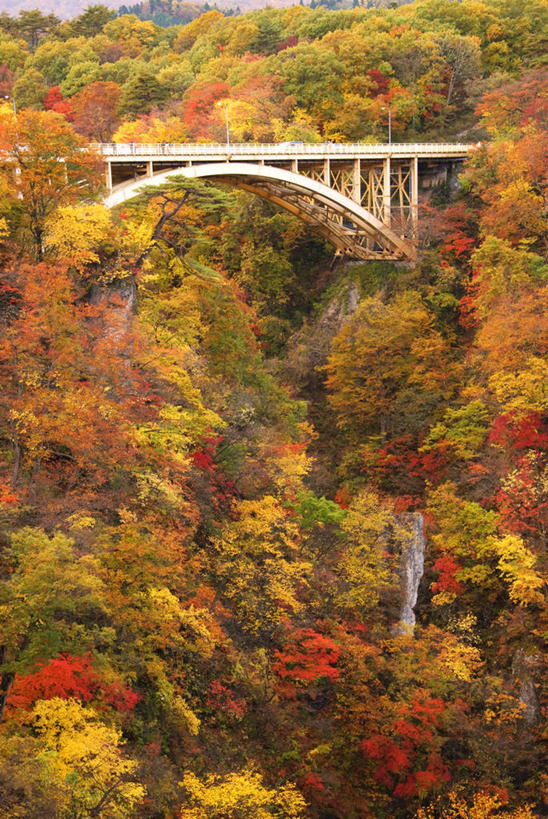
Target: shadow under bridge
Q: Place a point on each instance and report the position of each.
(345, 223)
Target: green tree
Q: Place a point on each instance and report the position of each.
(80, 76)
(91, 21)
(33, 25)
(267, 36)
(312, 75)
(141, 92)
(52, 57)
(29, 89)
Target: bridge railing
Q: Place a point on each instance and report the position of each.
(299, 149)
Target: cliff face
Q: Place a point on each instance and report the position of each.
(523, 667)
(309, 348)
(120, 298)
(411, 571)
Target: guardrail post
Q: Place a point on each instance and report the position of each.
(356, 182)
(387, 192)
(414, 194)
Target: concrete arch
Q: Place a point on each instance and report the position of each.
(349, 226)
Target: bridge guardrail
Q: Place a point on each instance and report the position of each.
(325, 149)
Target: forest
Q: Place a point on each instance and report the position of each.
(221, 447)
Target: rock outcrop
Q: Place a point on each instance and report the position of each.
(411, 571)
(310, 347)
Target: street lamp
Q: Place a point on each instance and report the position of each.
(220, 105)
(389, 123)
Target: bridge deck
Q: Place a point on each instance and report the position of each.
(121, 152)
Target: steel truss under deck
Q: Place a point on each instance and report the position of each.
(362, 198)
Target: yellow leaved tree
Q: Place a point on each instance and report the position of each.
(364, 565)
(524, 390)
(83, 760)
(239, 796)
(259, 564)
(517, 566)
(82, 234)
(484, 806)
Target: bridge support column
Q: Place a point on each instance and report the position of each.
(387, 192)
(150, 170)
(108, 172)
(414, 194)
(327, 173)
(356, 182)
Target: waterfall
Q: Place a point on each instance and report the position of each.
(411, 571)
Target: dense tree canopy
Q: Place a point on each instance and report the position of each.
(231, 466)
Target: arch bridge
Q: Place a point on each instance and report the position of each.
(363, 198)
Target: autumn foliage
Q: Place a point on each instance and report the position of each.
(68, 677)
(272, 526)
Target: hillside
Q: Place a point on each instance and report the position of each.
(272, 523)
